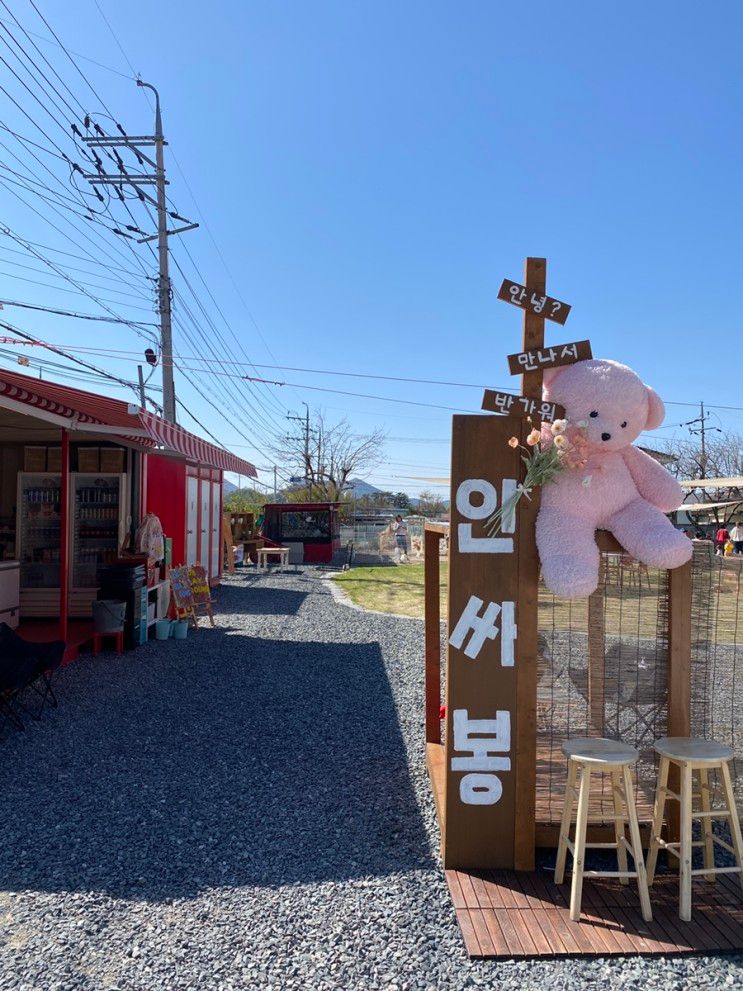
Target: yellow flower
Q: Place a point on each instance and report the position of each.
(534, 437)
(561, 442)
(513, 442)
(558, 427)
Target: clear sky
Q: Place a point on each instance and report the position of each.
(371, 171)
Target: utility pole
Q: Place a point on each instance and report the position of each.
(158, 179)
(702, 429)
(275, 486)
(307, 462)
(142, 402)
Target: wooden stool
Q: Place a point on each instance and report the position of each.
(595, 755)
(98, 639)
(701, 756)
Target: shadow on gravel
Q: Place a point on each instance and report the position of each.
(224, 761)
(260, 601)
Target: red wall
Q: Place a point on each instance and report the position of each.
(166, 498)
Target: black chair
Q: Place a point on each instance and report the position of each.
(25, 665)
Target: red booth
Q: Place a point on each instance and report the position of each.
(311, 530)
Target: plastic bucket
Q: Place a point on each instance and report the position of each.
(108, 615)
(180, 629)
(162, 629)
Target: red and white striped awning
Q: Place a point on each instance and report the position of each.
(76, 409)
(174, 438)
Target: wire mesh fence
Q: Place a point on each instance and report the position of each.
(603, 671)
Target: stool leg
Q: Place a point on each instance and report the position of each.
(636, 843)
(656, 828)
(579, 857)
(567, 815)
(685, 849)
(709, 847)
(616, 789)
(727, 785)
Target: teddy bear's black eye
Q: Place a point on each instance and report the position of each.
(624, 425)
(594, 414)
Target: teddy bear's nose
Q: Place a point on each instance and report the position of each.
(605, 436)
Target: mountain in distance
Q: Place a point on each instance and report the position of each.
(358, 488)
(228, 487)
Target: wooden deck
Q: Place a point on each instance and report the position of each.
(509, 914)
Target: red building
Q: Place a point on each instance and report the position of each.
(310, 529)
(78, 471)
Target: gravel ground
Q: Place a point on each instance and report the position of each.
(249, 809)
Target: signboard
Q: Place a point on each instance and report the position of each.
(505, 402)
(541, 358)
(180, 585)
(534, 301)
(482, 659)
(199, 585)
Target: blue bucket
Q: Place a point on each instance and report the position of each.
(180, 629)
(162, 629)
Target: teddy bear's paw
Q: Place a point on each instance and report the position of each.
(570, 577)
(664, 549)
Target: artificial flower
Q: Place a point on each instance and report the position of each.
(561, 441)
(534, 437)
(558, 427)
(513, 442)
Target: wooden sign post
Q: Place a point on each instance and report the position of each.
(490, 755)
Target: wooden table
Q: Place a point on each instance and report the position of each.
(263, 552)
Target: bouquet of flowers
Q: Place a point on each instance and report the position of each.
(566, 448)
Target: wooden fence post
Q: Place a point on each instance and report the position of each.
(679, 674)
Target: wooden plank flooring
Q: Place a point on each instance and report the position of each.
(509, 914)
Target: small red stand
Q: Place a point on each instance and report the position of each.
(99, 637)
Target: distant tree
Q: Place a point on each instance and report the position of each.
(722, 457)
(245, 500)
(401, 500)
(335, 454)
(430, 505)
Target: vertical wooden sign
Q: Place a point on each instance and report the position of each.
(482, 648)
(490, 749)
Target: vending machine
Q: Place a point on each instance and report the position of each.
(37, 542)
(99, 520)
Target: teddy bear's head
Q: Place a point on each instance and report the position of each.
(608, 399)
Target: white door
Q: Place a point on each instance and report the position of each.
(204, 523)
(192, 519)
(216, 561)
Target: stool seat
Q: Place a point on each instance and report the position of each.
(592, 757)
(693, 749)
(693, 756)
(598, 750)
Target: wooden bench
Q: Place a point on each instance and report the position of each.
(263, 552)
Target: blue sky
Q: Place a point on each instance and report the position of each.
(371, 171)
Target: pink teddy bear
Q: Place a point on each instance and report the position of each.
(619, 488)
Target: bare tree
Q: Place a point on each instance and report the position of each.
(330, 455)
(430, 504)
(721, 457)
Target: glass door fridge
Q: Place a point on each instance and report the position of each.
(98, 524)
(38, 545)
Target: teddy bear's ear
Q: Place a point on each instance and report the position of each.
(656, 409)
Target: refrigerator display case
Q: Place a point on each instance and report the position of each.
(98, 530)
(37, 541)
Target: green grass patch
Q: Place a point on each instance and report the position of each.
(397, 589)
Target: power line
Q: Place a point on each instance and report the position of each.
(70, 313)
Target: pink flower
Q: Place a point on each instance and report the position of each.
(513, 442)
(534, 437)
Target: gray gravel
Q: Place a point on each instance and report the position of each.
(249, 809)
